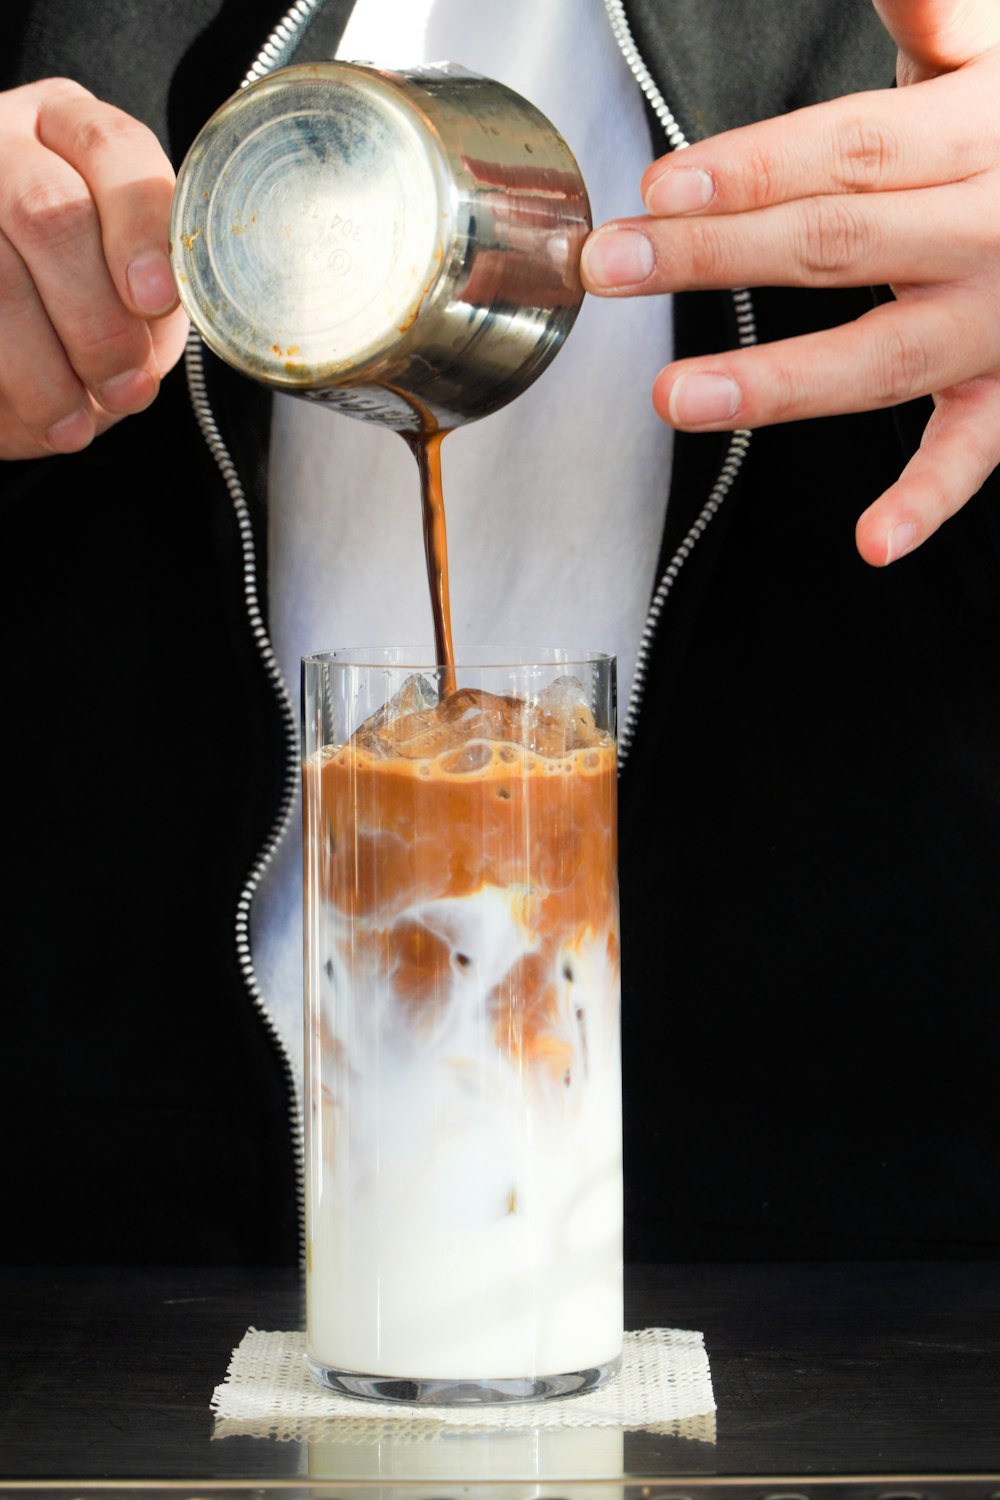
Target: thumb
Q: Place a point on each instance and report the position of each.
(936, 36)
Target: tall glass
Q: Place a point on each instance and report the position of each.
(463, 1108)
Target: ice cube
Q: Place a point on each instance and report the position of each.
(415, 725)
(474, 714)
(416, 736)
(562, 719)
(416, 696)
(473, 756)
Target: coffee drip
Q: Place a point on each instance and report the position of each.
(426, 449)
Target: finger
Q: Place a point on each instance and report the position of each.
(49, 216)
(169, 337)
(938, 34)
(959, 451)
(131, 181)
(16, 441)
(929, 342)
(37, 383)
(25, 428)
(872, 142)
(924, 236)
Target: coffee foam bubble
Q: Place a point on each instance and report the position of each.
(478, 760)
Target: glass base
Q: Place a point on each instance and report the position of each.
(438, 1392)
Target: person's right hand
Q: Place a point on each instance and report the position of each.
(89, 321)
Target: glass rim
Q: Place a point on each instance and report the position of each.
(421, 658)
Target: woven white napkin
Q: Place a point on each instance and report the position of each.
(664, 1386)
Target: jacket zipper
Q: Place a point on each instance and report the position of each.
(283, 40)
(276, 51)
(739, 442)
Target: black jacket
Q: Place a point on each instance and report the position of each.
(810, 809)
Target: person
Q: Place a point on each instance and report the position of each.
(809, 805)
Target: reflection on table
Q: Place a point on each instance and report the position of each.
(890, 1371)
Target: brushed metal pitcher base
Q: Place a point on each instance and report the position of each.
(403, 246)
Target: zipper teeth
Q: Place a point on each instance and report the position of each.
(194, 361)
(739, 442)
(282, 42)
(643, 77)
(735, 454)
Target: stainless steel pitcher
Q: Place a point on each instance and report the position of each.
(402, 245)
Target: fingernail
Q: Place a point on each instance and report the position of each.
(696, 399)
(617, 257)
(128, 392)
(71, 433)
(151, 283)
(681, 190)
(901, 539)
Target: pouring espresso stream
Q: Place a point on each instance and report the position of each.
(427, 452)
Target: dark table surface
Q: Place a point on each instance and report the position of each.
(870, 1380)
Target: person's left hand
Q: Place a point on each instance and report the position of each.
(898, 187)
